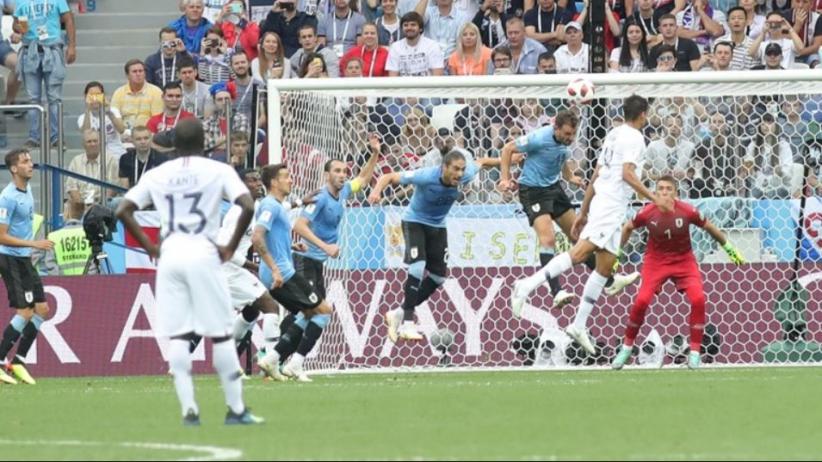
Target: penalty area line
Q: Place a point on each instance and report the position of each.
(206, 453)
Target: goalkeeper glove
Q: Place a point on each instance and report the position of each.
(733, 254)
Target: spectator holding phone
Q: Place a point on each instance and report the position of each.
(270, 62)
(214, 64)
(240, 33)
(161, 67)
(777, 30)
(89, 120)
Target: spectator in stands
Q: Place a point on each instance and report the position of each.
(572, 58)
(90, 120)
(501, 59)
(239, 150)
(172, 110)
(137, 100)
(244, 82)
(270, 62)
(417, 133)
(545, 23)
(314, 67)
(216, 126)
(671, 154)
(192, 27)
(372, 55)
(716, 161)
(353, 68)
(470, 57)
(43, 58)
(754, 22)
(613, 29)
(442, 22)
(490, 20)
(648, 19)
(773, 58)
(547, 64)
(88, 164)
(700, 22)
(687, 52)
(772, 160)
(531, 116)
(287, 23)
(808, 25)
(632, 56)
(444, 143)
(388, 25)
(793, 128)
(738, 25)
(310, 44)
(341, 31)
(214, 63)
(211, 8)
(720, 59)
(240, 34)
(524, 51)
(8, 57)
(414, 55)
(777, 31)
(196, 98)
(161, 67)
(666, 58)
(139, 159)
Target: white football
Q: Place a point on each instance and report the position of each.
(581, 90)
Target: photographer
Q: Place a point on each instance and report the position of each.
(71, 249)
(214, 64)
(162, 66)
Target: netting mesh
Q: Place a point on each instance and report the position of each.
(740, 151)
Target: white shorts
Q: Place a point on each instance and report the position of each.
(192, 292)
(243, 286)
(604, 228)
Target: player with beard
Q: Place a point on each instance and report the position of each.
(542, 197)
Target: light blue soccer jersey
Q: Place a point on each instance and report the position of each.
(324, 217)
(17, 211)
(44, 20)
(543, 165)
(432, 200)
(273, 217)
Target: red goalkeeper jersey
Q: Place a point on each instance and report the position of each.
(669, 232)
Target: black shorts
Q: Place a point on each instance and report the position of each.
(297, 295)
(550, 200)
(22, 281)
(428, 244)
(312, 271)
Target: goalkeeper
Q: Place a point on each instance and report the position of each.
(669, 256)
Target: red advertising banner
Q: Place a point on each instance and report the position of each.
(102, 325)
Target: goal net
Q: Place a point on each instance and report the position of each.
(744, 146)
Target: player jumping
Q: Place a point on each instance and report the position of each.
(192, 293)
(272, 240)
(542, 196)
(607, 199)
(669, 256)
(423, 226)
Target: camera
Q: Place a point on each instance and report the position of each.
(98, 222)
(169, 44)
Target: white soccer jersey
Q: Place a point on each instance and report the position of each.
(227, 230)
(623, 145)
(187, 193)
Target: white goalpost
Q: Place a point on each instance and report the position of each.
(745, 146)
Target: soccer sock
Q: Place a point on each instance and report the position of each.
(290, 340)
(558, 265)
(591, 263)
(546, 254)
(228, 368)
(11, 334)
(312, 334)
(590, 295)
(244, 322)
(635, 319)
(27, 340)
(429, 286)
(194, 342)
(697, 321)
(271, 329)
(412, 293)
(179, 360)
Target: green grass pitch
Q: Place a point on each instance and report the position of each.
(676, 414)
